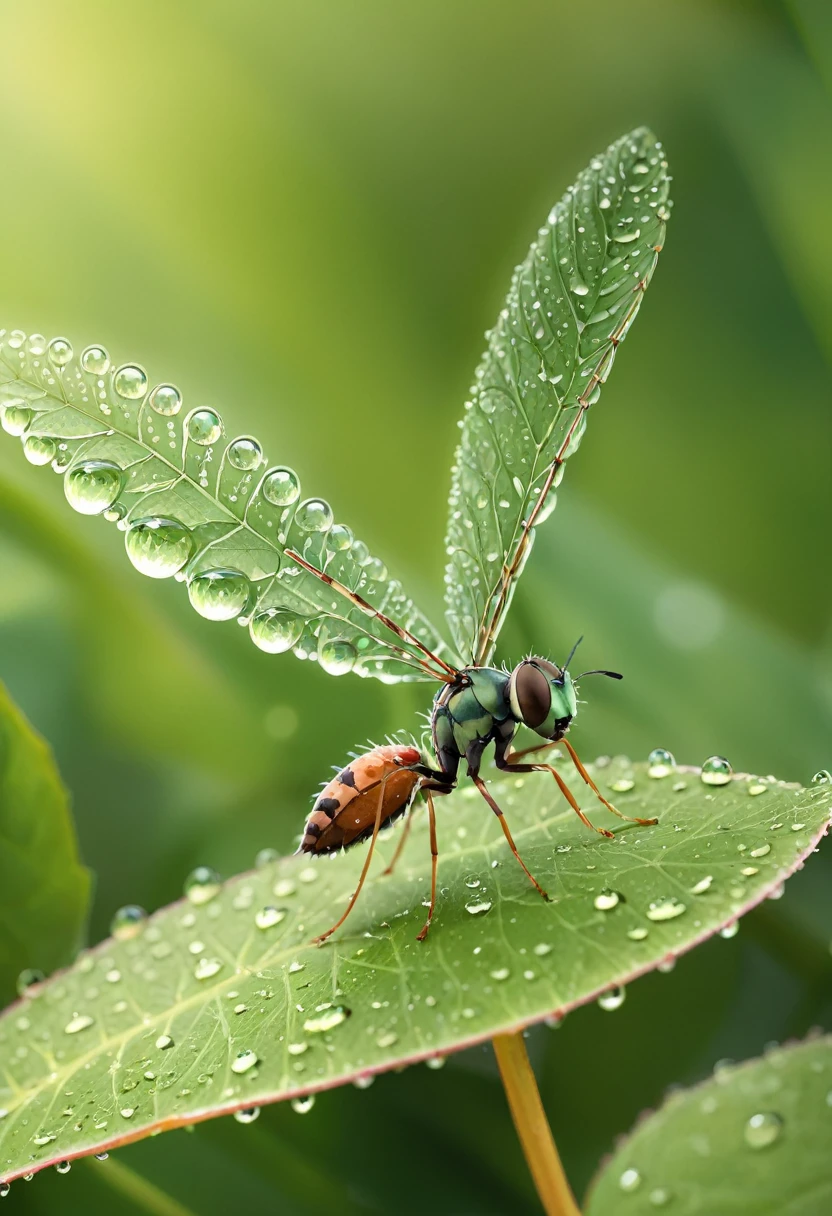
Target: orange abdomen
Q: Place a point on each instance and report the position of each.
(345, 810)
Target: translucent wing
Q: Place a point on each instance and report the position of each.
(209, 512)
(571, 302)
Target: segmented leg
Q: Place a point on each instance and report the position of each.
(562, 786)
(483, 789)
(376, 825)
(408, 823)
(434, 861)
(647, 823)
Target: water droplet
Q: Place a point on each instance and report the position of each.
(579, 288)
(476, 909)
(730, 930)
(93, 487)
(60, 352)
(606, 900)
(630, 1180)
(158, 547)
(302, 1106)
(660, 763)
(5, 1187)
(337, 657)
(623, 785)
(314, 515)
(202, 884)
(716, 771)
(275, 630)
(128, 922)
(756, 788)
(243, 1061)
(387, 1039)
(297, 1049)
(245, 454)
(364, 1081)
(281, 487)
(326, 1019)
(27, 979)
(339, 538)
(703, 885)
(166, 400)
(284, 887)
(268, 917)
(164, 1041)
(763, 1129)
(613, 998)
(63, 1167)
(247, 1115)
(660, 1196)
(78, 1022)
(639, 934)
(666, 908)
(15, 418)
(502, 973)
(39, 449)
(203, 427)
(95, 360)
(207, 968)
(761, 852)
(101, 1156)
(127, 1112)
(542, 949)
(130, 382)
(219, 595)
(822, 777)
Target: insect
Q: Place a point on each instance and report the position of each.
(217, 516)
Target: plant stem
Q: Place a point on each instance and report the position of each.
(531, 1125)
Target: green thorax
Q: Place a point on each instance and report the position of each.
(469, 711)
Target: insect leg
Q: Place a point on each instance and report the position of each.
(376, 825)
(448, 673)
(408, 823)
(483, 789)
(434, 861)
(579, 766)
(505, 764)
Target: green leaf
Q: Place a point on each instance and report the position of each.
(754, 1139)
(571, 303)
(44, 890)
(202, 509)
(216, 1006)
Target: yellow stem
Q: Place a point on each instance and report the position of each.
(532, 1127)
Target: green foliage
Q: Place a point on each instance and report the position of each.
(223, 1003)
(571, 303)
(44, 890)
(199, 508)
(754, 1139)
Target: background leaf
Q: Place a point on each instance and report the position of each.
(224, 1004)
(570, 305)
(753, 1139)
(204, 510)
(44, 890)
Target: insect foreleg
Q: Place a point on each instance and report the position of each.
(507, 766)
(579, 766)
(434, 861)
(483, 789)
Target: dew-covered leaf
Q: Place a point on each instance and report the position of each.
(753, 1140)
(201, 508)
(571, 303)
(222, 1003)
(44, 890)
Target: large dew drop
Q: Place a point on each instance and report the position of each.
(326, 1019)
(281, 487)
(95, 360)
(219, 595)
(93, 487)
(337, 657)
(763, 1129)
(243, 1061)
(59, 352)
(314, 515)
(247, 1115)
(39, 449)
(130, 382)
(203, 427)
(202, 884)
(15, 418)
(660, 763)
(166, 400)
(158, 547)
(716, 771)
(666, 908)
(275, 630)
(613, 998)
(245, 454)
(128, 922)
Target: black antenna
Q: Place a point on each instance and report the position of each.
(572, 653)
(613, 675)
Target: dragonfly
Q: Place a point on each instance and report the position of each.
(216, 515)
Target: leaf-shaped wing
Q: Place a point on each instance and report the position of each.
(210, 512)
(571, 303)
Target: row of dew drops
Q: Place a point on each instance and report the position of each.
(204, 883)
(162, 547)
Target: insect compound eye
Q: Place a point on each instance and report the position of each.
(530, 694)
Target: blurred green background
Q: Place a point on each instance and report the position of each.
(307, 215)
